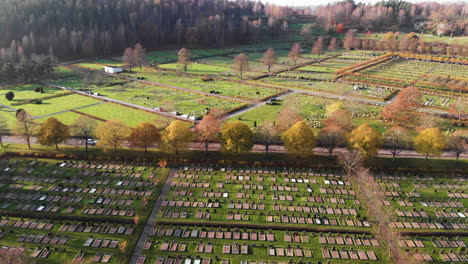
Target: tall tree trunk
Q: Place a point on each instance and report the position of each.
(86, 145)
(206, 147)
(1, 141)
(29, 143)
(56, 146)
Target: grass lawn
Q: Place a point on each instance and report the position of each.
(131, 117)
(197, 68)
(227, 88)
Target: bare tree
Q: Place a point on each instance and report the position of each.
(129, 58)
(269, 58)
(396, 139)
(457, 143)
(265, 134)
(295, 53)
(241, 64)
(184, 58)
(25, 126)
(139, 54)
(84, 128)
(318, 46)
(332, 137)
(3, 128)
(333, 45)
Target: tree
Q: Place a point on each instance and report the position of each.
(10, 95)
(208, 130)
(53, 132)
(340, 118)
(332, 137)
(269, 58)
(236, 137)
(3, 128)
(365, 139)
(84, 127)
(400, 108)
(330, 109)
(241, 64)
(333, 45)
(299, 138)
(396, 139)
(25, 126)
(457, 143)
(112, 133)
(129, 58)
(459, 109)
(348, 40)
(265, 134)
(139, 54)
(430, 142)
(145, 135)
(318, 46)
(176, 136)
(295, 53)
(184, 58)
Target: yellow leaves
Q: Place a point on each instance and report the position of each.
(299, 138)
(144, 135)
(52, 132)
(430, 142)
(112, 133)
(236, 137)
(332, 108)
(177, 135)
(365, 139)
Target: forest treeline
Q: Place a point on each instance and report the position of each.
(76, 28)
(67, 29)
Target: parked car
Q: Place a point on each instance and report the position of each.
(91, 141)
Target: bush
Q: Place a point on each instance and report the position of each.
(38, 102)
(37, 89)
(9, 96)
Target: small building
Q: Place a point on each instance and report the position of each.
(113, 69)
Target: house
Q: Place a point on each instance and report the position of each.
(113, 69)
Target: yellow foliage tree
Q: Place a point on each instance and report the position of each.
(176, 136)
(113, 133)
(236, 137)
(365, 139)
(332, 108)
(145, 135)
(430, 142)
(299, 138)
(53, 132)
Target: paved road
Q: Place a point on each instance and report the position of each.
(144, 235)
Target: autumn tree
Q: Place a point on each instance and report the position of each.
(184, 58)
(288, 116)
(129, 58)
(265, 134)
(299, 138)
(112, 133)
(176, 136)
(25, 126)
(396, 139)
(3, 128)
(269, 58)
(457, 143)
(430, 142)
(348, 40)
(318, 46)
(241, 64)
(330, 109)
(333, 45)
(139, 54)
(295, 53)
(208, 130)
(144, 136)
(400, 109)
(365, 139)
(340, 118)
(84, 128)
(236, 137)
(331, 137)
(459, 109)
(53, 132)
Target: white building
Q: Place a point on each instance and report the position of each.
(113, 69)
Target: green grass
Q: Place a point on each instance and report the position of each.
(131, 117)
